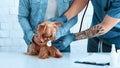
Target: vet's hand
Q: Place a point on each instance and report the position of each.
(36, 40)
(62, 31)
(62, 19)
(64, 41)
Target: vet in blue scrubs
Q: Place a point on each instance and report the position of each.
(101, 9)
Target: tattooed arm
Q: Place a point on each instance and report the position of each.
(99, 29)
(91, 32)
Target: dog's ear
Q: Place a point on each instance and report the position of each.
(58, 24)
(41, 27)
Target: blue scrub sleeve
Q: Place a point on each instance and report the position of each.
(115, 9)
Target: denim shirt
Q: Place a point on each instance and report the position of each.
(32, 13)
(112, 8)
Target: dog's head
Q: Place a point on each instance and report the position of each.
(47, 30)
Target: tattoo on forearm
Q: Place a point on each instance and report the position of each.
(91, 32)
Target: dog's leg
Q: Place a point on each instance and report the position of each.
(43, 53)
(54, 52)
(32, 50)
(58, 54)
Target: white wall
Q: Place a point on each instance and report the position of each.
(11, 35)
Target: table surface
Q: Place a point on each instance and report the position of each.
(19, 60)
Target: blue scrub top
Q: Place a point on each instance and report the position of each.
(103, 7)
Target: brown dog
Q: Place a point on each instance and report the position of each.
(45, 32)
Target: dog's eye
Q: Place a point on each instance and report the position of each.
(50, 35)
(45, 36)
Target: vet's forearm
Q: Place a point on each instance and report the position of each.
(97, 30)
(91, 32)
(75, 8)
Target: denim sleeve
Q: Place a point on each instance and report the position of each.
(65, 28)
(115, 9)
(23, 17)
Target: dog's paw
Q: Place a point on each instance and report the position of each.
(54, 52)
(58, 54)
(32, 53)
(43, 54)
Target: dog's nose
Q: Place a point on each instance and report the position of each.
(41, 40)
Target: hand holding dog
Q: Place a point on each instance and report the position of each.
(63, 29)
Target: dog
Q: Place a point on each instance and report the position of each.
(45, 32)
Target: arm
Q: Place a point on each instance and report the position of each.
(107, 24)
(23, 16)
(76, 7)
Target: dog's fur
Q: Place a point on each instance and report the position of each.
(45, 32)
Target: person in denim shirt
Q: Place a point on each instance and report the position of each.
(105, 25)
(33, 12)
